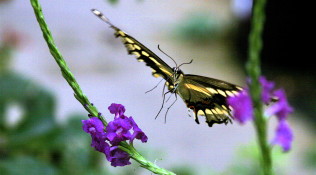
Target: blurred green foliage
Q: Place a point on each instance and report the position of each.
(246, 161)
(113, 2)
(198, 27)
(36, 143)
(183, 170)
(5, 52)
(310, 158)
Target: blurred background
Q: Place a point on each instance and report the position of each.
(40, 120)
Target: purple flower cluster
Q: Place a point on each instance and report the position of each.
(106, 140)
(243, 110)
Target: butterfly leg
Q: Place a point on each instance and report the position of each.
(168, 98)
(170, 107)
(154, 87)
(163, 101)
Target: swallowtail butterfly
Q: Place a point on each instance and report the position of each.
(205, 96)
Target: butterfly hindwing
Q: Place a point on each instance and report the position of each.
(207, 97)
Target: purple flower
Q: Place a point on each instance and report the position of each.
(100, 144)
(116, 109)
(281, 108)
(93, 126)
(138, 133)
(118, 130)
(284, 135)
(118, 157)
(242, 106)
(267, 87)
(243, 110)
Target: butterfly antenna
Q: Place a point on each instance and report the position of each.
(154, 87)
(186, 63)
(168, 56)
(170, 107)
(101, 16)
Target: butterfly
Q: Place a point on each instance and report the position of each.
(203, 95)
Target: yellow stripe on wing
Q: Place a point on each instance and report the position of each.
(197, 88)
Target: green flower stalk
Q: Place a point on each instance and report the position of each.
(254, 72)
(69, 77)
(79, 95)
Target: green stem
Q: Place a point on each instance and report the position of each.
(254, 72)
(142, 161)
(69, 77)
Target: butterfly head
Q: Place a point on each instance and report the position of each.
(177, 72)
(177, 77)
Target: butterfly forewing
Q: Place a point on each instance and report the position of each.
(142, 53)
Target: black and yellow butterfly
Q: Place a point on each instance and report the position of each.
(205, 96)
